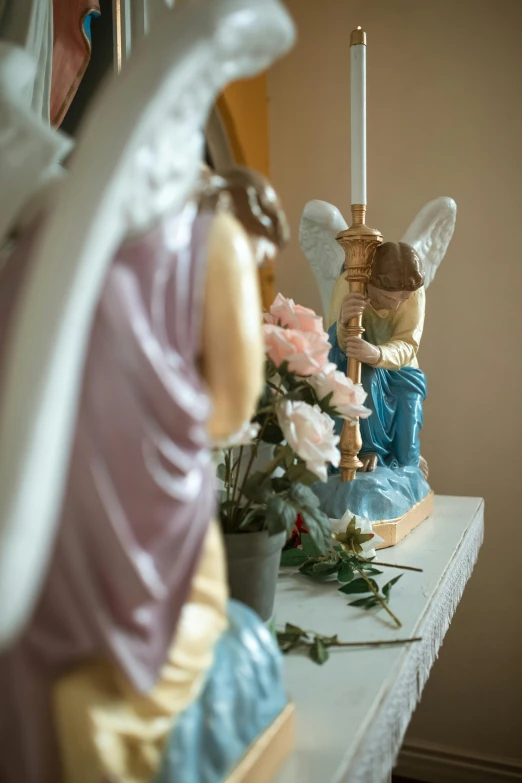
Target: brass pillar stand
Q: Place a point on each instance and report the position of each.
(359, 244)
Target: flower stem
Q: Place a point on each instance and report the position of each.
(380, 598)
(391, 565)
(253, 455)
(377, 644)
(227, 473)
(269, 416)
(268, 470)
(237, 468)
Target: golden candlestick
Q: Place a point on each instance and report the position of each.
(359, 244)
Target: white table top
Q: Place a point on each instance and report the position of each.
(352, 712)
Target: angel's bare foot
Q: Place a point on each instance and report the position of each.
(369, 463)
(423, 465)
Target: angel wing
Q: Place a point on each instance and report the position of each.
(320, 224)
(430, 234)
(138, 155)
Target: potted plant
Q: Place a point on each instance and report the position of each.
(268, 469)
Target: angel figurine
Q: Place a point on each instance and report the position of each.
(129, 338)
(392, 312)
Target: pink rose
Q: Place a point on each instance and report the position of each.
(347, 396)
(305, 352)
(284, 312)
(310, 433)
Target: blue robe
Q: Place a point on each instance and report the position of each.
(395, 398)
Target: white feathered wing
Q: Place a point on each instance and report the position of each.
(138, 155)
(320, 224)
(430, 234)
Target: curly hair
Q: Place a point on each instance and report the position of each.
(253, 201)
(396, 267)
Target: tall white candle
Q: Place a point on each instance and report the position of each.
(358, 114)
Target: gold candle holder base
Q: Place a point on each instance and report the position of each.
(359, 243)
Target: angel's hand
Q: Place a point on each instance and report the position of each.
(359, 349)
(369, 463)
(352, 306)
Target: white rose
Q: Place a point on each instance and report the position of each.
(310, 433)
(347, 396)
(364, 526)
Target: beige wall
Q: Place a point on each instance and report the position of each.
(444, 118)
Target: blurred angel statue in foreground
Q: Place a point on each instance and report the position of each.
(130, 337)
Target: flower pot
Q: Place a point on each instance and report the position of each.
(253, 564)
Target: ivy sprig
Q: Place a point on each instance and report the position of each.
(317, 645)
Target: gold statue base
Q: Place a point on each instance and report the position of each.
(264, 758)
(394, 530)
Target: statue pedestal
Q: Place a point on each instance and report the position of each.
(395, 500)
(394, 530)
(264, 758)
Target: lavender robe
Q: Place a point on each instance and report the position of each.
(139, 491)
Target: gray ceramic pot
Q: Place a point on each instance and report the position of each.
(253, 564)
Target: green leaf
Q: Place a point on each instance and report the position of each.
(309, 546)
(318, 652)
(318, 526)
(327, 407)
(346, 573)
(369, 571)
(270, 370)
(257, 487)
(328, 640)
(226, 505)
(308, 570)
(357, 586)
(221, 471)
(256, 511)
(287, 641)
(325, 568)
(388, 586)
(293, 557)
(300, 473)
(303, 496)
(303, 392)
(365, 603)
(285, 453)
(280, 484)
(290, 628)
(280, 515)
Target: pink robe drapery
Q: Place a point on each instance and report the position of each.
(139, 493)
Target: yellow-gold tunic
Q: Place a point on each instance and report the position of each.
(107, 731)
(396, 332)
